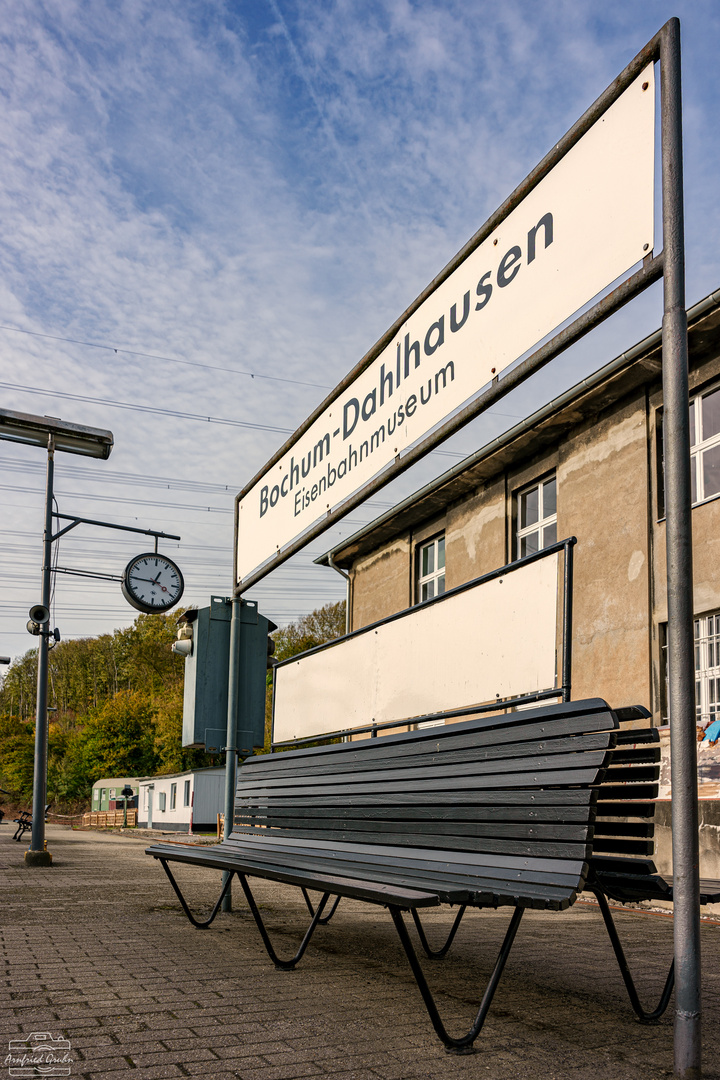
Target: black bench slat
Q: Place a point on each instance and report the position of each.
(575, 797)
(452, 886)
(410, 858)
(373, 891)
(636, 735)
(444, 829)
(466, 770)
(540, 848)
(485, 891)
(623, 792)
(623, 845)
(624, 828)
(634, 755)
(279, 811)
(617, 866)
(548, 778)
(608, 809)
(477, 748)
(597, 714)
(632, 774)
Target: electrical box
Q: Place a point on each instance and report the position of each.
(204, 641)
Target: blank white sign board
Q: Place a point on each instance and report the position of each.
(497, 638)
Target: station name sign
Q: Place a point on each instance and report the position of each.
(583, 226)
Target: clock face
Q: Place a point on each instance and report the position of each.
(152, 583)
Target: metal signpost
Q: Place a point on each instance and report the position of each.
(581, 220)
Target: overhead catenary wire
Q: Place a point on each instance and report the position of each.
(111, 403)
(158, 356)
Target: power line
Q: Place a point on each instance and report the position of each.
(118, 499)
(113, 477)
(144, 408)
(157, 518)
(158, 356)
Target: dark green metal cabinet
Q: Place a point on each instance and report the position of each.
(207, 671)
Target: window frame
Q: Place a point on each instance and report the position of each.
(432, 576)
(186, 793)
(543, 522)
(706, 648)
(162, 801)
(697, 449)
(173, 796)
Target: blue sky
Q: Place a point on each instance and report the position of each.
(240, 198)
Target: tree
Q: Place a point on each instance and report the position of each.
(119, 738)
(118, 710)
(323, 624)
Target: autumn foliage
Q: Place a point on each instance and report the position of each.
(117, 706)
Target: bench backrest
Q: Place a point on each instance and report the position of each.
(519, 788)
(625, 823)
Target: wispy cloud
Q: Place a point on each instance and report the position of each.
(265, 187)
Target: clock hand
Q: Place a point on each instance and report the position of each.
(150, 581)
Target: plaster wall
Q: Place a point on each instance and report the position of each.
(381, 583)
(603, 500)
(475, 535)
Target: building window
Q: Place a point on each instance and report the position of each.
(705, 445)
(161, 801)
(704, 449)
(186, 794)
(431, 569)
(707, 669)
(96, 794)
(536, 511)
(173, 796)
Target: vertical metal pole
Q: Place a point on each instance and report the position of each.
(231, 736)
(567, 621)
(37, 843)
(683, 746)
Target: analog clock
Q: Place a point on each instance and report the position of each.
(152, 583)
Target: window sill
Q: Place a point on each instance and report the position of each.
(713, 498)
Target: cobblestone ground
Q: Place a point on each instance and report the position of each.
(97, 950)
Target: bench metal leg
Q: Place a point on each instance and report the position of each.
(643, 1016)
(463, 1045)
(437, 954)
(186, 909)
(311, 909)
(282, 965)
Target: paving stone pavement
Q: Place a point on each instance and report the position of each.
(96, 950)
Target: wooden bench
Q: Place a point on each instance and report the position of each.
(497, 811)
(621, 864)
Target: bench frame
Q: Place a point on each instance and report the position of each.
(495, 739)
(626, 788)
(24, 822)
(462, 1045)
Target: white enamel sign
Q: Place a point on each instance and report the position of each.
(582, 227)
(497, 638)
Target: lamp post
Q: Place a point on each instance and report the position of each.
(52, 434)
